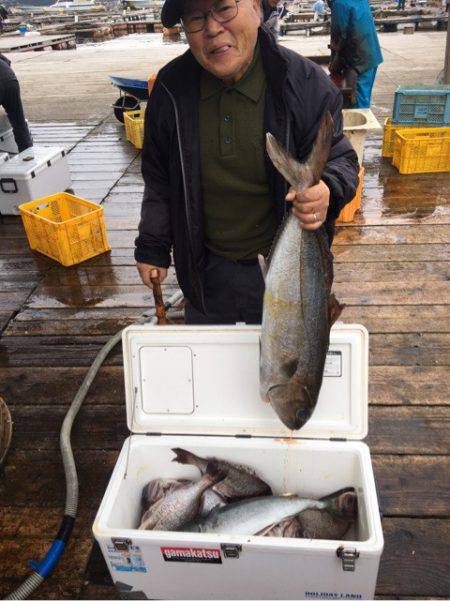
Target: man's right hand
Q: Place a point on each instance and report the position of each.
(145, 271)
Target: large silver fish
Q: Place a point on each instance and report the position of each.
(251, 516)
(181, 504)
(240, 482)
(331, 523)
(299, 308)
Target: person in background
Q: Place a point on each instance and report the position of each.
(3, 16)
(401, 5)
(355, 50)
(12, 103)
(282, 14)
(270, 16)
(319, 10)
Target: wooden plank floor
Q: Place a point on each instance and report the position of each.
(392, 271)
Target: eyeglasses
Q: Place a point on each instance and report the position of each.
(221, 11)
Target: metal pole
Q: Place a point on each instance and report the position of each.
(447, 50)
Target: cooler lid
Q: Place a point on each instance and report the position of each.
(205, 380)
(30, 162)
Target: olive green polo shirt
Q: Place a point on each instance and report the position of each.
(240, 220)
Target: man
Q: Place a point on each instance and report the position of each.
(270, 15)
(283, 12)
(319, 10)
(355, 50)
(12, 103)
(3, 16)
(211, 192)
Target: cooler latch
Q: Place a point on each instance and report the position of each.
(231, 551)
(348, 557)
(122, 544)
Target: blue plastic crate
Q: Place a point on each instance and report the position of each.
(422, 105)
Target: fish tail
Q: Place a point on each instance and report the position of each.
(307, 174)
(186, 457)
(321, 149)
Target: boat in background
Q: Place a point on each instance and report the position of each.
(74, 5)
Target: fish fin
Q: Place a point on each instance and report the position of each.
(327, 258)
(266, 530)
(288, 368)
(336, 494)
(185, 457)
(263, 266)
(335, 309)
(307, 174)
(342, 503)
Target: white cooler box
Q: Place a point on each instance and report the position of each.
(34, 173)
(7, 140)
(198, 388)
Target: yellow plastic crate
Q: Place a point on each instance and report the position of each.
(64, 227)
(389, 131)
(134, 127)
(348, 212)
(426, 150)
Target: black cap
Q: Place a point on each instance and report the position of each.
(171, 12)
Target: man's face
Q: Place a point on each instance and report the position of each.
(225, 49)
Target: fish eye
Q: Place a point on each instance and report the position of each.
(302, 414)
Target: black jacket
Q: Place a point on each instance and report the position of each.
(298, 94)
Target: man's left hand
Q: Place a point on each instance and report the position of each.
(310, 206)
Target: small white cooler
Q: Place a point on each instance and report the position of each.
(198, 388)
(7, 140)
(34, 173)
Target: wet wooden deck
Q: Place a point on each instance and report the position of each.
(392, 271)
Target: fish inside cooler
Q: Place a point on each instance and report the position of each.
(310, 469)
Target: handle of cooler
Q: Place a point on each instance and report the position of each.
(5, 181)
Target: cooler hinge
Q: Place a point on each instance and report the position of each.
(348, 558)
(153, 434)
(231, 551)
(242, 435)
(337, 439)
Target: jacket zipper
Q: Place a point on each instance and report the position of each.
(185, 192)
(183, 170)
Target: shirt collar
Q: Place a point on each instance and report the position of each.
(250, 85)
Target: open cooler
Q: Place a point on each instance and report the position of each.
(198, 388)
